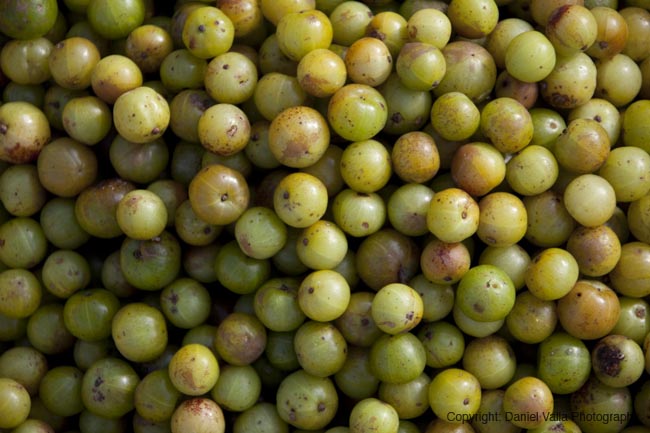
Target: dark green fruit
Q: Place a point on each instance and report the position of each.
(306, 401)
(88, 314)
(114, 20)
(25, 365)
(62, 379)
(151, 264)
(108, 387)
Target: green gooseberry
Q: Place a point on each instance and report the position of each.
(454, 391)
(65, 272)
(485, 293)
(185, 303)
(320, 348)
(324, 295)
(88, 314)
(108, 387)
(491, 360)
(279, 350)
(17, 403)
(238, 388)
(141, 115)
(373, 414)
(20, 292)
(322, 245)
(114, 20)
(563, 363)
(397, 358)
(443, 342)
(155, 396)
(237, 271)
(409, 399)
(397, 308)
(356, 323)
(357, 112)
(609, 408)
(207, 32)
(531, 319)
(193, 369)
(259, 419)
(46, 330)
(260, 232)
(300, 199)
(25, 365)
(151, 264)
(191, 229)
(23, 243)
(62, 380)
(355, 379)
(306, 401)
(276, 304)
(139, 332)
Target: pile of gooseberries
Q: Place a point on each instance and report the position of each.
(330, 216)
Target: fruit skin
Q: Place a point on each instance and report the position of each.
(141, 115)
(199, 414)
(454, 391)
(16, 403)
(24, 131)
(193, 369)
(27, 19)
(306, 401)
(529, 401)
(115, 19)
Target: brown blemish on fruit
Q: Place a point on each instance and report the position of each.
(639, 312)
(610, 359)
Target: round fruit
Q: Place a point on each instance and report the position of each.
(16, 403)
(139, 332)
(306, 401)
(24, 131)
(454, 391)
(193, 369)
(198, 414)
(28, 20)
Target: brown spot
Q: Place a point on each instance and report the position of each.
(610, 359)
(639, 312)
